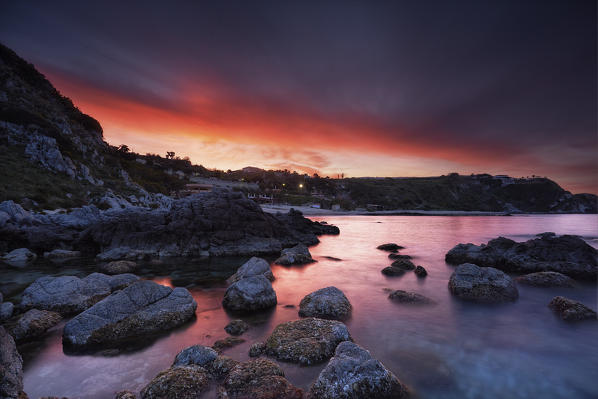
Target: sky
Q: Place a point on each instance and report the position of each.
(372, 88)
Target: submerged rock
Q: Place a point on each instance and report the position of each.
(354, 374)
(236, 327)
(482, 284)
(420, 271)
(118, 267)
(253, 267)
(404, 264)
(11, 367)
(389, 247)
(226, 343)
(546, 279)
(306, 341)
(401, 296)
(181, 382)
(297, 255)
(70, 294)
(251, 293)
(571, 310)
(569, 255)
(19, 257)
(34, 323)
(326, 303)
(140, 309)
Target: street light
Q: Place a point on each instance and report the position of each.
(301, 185)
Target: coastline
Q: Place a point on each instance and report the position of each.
(309, 211)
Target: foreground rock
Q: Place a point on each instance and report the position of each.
(248, 294)
(19, 257)
(11, 367)
(142, 308)
(297, 255)
(70, 294)
(307, 341)
(258, 379)
(354, 374)
(389, 247)
(33, 324)
(569, 255)
(546, 279)
(406, 297)
(236, 327)
(253, 267)
(181, 382)
(571, 310)
(482, 284)
(118, 267)
(326, 303)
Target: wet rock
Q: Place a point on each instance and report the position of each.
(297, 255)
(70, 294)
(181, 382)
(569, 255)
(326, 303)
(257, 349)
(390, 247)
(61, 255)
(236, 327)
(118, 267)
(222, 366)
(258, 379)
(19, 257)
(306, 341)
(354, 374)
(11, 367)
(251, 293)
(482, 284)
(125, 395)
(401, 296)
(404, 264)
(197, 355)
(420, 271)
(546, 279)
(34, 323)
(6, 309)
(333, 258)
(226, 343)
(253, 267)
(140, 309)
(395, 256)
(392, 271)
(571, 310)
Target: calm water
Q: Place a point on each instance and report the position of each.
(450, 350)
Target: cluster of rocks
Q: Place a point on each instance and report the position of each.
(250, 287)
(401, 263)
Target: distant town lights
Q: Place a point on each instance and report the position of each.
(300, 185)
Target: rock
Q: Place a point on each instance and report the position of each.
(354, 374)
(61, 255)
(306, 341)
(226, 343)
(420, 271)
(6, 309)
(258, 379)
(125, 395)
(19, 257)
(118, 267)
(297, 255)
(571, 310)
(197, 355)
(401, 296)
(390, 247)
(332, 258)
(33, 324)
(482, 284)
(257, 349)
(546, 279)
(253, 267)
(11, 367)
(404, 264)
(70, 294)
(569, 255)
(392, 271)
(395, 256)
(236, 327)
(140, 309)
(251, 293)
(326, 303)
(181, 382)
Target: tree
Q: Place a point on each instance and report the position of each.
(169, 154)
(123, 148)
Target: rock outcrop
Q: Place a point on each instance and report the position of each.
(326, 303)
(482, 284)
(11, 367)
(570, 310)
(253, 267)
(297, 255)
(546, 279)
(569, 255)
(249, 294)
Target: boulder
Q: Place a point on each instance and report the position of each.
(197, 355)
(258, 379)
(180, 382)
(390, 247)
(19, 257)
(404, 264)
(140, 309)
(306, 341)
(70, 294)
(392, 271)
(6, 309)
(569, 255)
(236, 327)
(326, 303)
(226, 343)
(420, 271)
(406, 297)
(118, 267)
(571, 310)
(354, 374)
(248, 294)
(297, 255)
(546, 279)
(253, 267)
(61, 255)
(11, 367)
(33, 324)
(482, 284)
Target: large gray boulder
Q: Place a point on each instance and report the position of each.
(251, 293)
(354, 374)
(297, 255)
(326, 303)
(569, 255)
(306, 341)
(11, 367)
(482, 284)
(571, 310)
(19, 257)
(70, 294)
(140, 309)
(546, 279)
(253, 267)
(33, 324)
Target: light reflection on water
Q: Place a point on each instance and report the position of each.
(450, 350)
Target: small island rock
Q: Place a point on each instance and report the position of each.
(248, 294)
(326, 303)
(482, 284)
